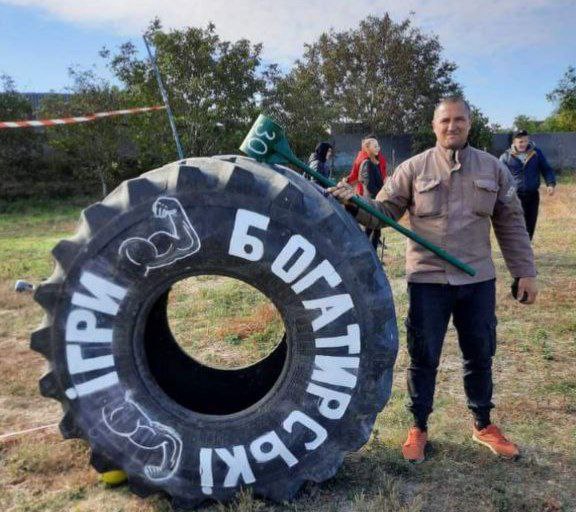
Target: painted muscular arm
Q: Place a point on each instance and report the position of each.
(180, 236)
(130, 422)
(179, 239)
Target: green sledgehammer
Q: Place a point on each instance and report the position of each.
(267, 142)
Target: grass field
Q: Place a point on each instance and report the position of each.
(535, 390)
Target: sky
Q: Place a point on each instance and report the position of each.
(510, 53)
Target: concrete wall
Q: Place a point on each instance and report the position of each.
(559, 148)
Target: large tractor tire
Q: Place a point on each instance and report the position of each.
(172, 423)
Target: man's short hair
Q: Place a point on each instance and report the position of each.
(519, 134)
(369, 136)
(453, 99)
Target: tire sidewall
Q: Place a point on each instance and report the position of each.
(212, 212)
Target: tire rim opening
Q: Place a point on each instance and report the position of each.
(223, 322)
(215, 344)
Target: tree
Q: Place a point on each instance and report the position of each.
(564, 95)
(531, 125)
(95, 148)
(20, 149)
(383, 74)
(213, 87)
(565, 92)
(481, 131)
(563, 119)
(297, 101)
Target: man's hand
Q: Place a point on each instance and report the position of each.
(527, 285)
(343, 192)
(550, 189)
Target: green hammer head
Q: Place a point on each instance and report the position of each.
(266, 142)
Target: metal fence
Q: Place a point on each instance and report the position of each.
(559, 148)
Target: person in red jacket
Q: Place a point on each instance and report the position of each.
(368, 174)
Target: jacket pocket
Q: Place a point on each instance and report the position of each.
(427, 197)
(485, 194)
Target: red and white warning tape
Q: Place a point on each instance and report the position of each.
(80, 119)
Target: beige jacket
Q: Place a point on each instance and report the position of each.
(452, 197)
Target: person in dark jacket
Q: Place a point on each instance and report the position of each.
(371, 178)
(526, 163)
(318, 160)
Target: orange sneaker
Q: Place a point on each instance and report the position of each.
(492, 437)
(413, 448)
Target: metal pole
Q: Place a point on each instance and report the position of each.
(165, 99)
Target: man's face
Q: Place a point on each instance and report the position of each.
(371, 147)
(521, 143)
(451, 125)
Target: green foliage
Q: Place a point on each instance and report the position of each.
(481, 132)
(563, 119)
(98, 151)
(531, 125)
(297, 101)
(565, 92)
(385, 75)
(213, 86)
(20, 149)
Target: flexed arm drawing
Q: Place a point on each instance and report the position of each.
(178, 240)
(129, 421)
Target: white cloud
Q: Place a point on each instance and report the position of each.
(466, 29)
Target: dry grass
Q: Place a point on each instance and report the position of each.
(223, 322)
(535, 395)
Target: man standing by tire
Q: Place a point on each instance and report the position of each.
(453, 192)
(526, 163)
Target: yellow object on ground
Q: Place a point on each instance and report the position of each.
(114, 477)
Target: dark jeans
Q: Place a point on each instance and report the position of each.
(530, 203)
(472, 308)
(374, 236)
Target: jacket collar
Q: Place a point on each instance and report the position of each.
(455, 157)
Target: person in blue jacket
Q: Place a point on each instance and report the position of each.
(526, 163)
